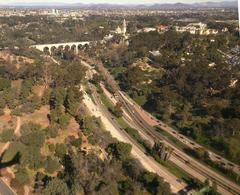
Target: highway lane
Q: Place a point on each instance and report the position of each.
(225, 186)
(190, 143)
(138, 152)
(185, 140)
(180, 161)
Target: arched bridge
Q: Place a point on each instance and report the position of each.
(71, 45)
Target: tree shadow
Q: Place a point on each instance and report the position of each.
(14, 161)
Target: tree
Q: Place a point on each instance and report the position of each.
(13, 152)
(133, 169)
(4, 84)
(27, 107)
(57, 98)
(16, 112)
(36, 102)
(155, 184)
(33, 139)
(29, 128)
(121, 151)
(64, 120)
(60, 150)
(25, 89)
(77, 142)
(117, 110)
(46, 97)
(51, 165)
(126, 187)
(54, 115)
(21, 176)
(32, 158)
(6, 135)
(96, 79)
(2, 102)
(56, 187)
(51, 132)
(72, 103)
(46, 73)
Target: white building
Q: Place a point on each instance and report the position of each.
(196, 28)
(55, 12)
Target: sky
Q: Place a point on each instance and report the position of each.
(107, 1)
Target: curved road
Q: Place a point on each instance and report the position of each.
(148, 162)
(181, 159)
(191, 166)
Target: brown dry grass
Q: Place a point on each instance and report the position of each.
(7, 121)
(39, 116)
(38, 90)
(19, 60)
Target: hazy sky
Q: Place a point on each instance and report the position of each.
(107, 1)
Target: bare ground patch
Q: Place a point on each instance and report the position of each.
(39, 116)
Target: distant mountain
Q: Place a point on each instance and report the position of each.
(222, 4)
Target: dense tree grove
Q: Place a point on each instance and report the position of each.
(71, 153)
(189, 83)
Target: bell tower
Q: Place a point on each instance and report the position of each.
(124, 28)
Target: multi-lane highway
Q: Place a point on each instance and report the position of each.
(189, 164)
(184, 161)
(98, 109)
(188, 142)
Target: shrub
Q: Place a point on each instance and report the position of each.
(64, 120)
(51, 147)
(28, 107)
(46, 97)
(13, 151)
(30, 127)
(51, 165)
(4, 84)
(60, 150)
(33, 139)
(51, 132)
(16, 112)
(22, 177)
(6, 135)
(56, 186)
(120, 150)
(36, 102)
(77, 142)
(2, 102)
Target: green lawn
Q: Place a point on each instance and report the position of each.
(122, 123)
(106, 102)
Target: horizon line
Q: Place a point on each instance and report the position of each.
(107, 3)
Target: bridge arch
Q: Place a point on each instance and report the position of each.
(53, 49)
(62, 46)
(46, 50)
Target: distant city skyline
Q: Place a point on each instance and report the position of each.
(107, 1)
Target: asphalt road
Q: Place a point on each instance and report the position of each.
(191, 166)
(139, 152)
(190, 143)
(181, 159)
(5, 189)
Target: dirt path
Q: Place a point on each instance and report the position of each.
(17, 129)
